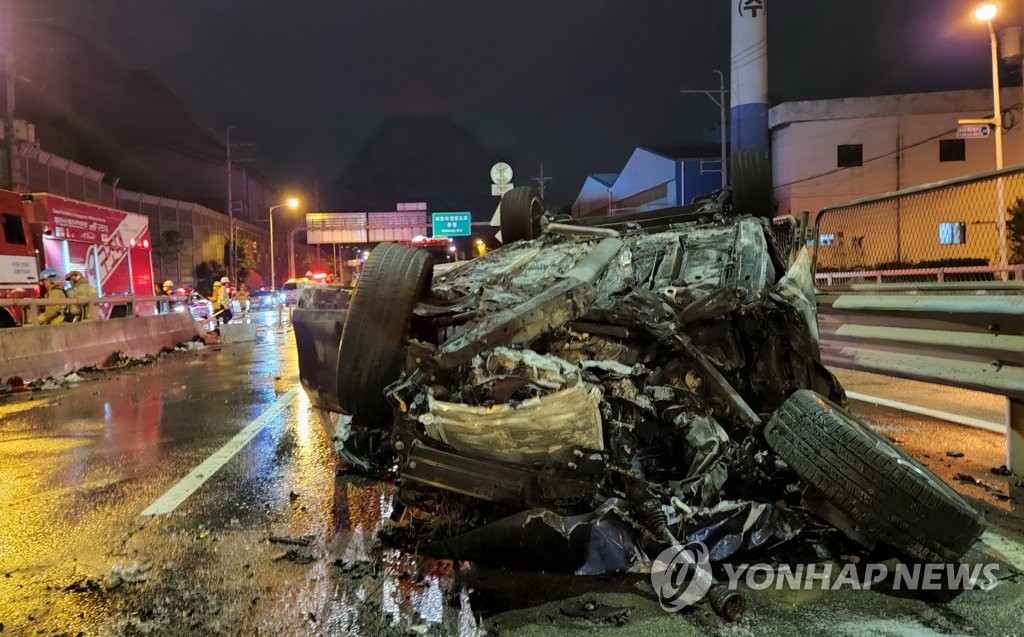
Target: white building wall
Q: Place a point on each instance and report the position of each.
(900, 136)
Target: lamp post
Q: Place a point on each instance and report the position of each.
(986, 12)
(293, 204)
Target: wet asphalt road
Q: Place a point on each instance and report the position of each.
(275, 543)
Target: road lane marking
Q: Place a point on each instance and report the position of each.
(191, 483)
(931, 413)
(1005, 548)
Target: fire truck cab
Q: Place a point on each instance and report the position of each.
(110, 247)
(19, 272)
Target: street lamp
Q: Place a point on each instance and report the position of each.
(293, 204)
(986, 12)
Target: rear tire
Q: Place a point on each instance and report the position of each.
(6, 319)
(373, 340)
(521, 210)
(886, 495)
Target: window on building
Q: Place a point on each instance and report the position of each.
(952, 233)
(952, 150)
(14, 231)
(826, 239)
(850, 155)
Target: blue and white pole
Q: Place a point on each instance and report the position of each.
(751, 161)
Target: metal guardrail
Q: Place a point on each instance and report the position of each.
(134, 305)
(830, 279)
(969, 341)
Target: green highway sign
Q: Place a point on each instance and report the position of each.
(452, 224)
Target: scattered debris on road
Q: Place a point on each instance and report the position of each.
(994, 490)
(304, 540)
(955, 454)
(596, 612)
(293, 556)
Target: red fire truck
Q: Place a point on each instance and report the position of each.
(111, 247)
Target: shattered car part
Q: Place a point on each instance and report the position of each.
(595, 611)
(581, 401)
(533, 427)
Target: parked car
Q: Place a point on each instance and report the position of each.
(290, 290)
(265, 299)
(200, 307)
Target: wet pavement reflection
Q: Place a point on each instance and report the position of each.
(276, 542)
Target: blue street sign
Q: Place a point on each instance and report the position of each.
(452, 224)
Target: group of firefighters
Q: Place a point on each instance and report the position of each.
(221, 298)
(78, 287)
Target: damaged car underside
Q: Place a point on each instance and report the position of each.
(583, 400)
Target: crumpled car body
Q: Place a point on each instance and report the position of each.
(581, 400)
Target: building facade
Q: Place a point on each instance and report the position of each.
(835, 151)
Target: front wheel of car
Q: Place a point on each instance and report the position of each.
(883, 495)
(394, 279)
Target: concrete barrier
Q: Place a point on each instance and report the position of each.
(237, 332)
(54, 350)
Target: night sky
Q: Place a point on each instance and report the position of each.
(575, 84)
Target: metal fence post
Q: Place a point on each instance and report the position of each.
(1015, 434)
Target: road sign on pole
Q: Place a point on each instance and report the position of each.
(452, 224)
(501, 173)
(500, 189)
(973, 131)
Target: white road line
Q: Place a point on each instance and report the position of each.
(1009, 550)
(191, 483)
(931, 413)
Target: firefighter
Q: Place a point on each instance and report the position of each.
(80, 288)
(53, 314)
(167, 289)
(224, 299)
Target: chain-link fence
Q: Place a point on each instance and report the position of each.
(966, 229)
(41, 171)
(186, 234)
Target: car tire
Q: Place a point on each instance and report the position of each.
(886, 495)
(521, 210)
(394, 279)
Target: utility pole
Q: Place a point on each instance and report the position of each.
(231, 209)
(11, 176)
(542, 181)
(720, 102)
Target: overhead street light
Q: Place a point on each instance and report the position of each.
(292, 203)
(986, 12)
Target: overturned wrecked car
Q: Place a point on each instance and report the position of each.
(584, 397)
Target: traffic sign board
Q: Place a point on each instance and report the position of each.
(973, 131)
(452, 224)
(498, 190)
